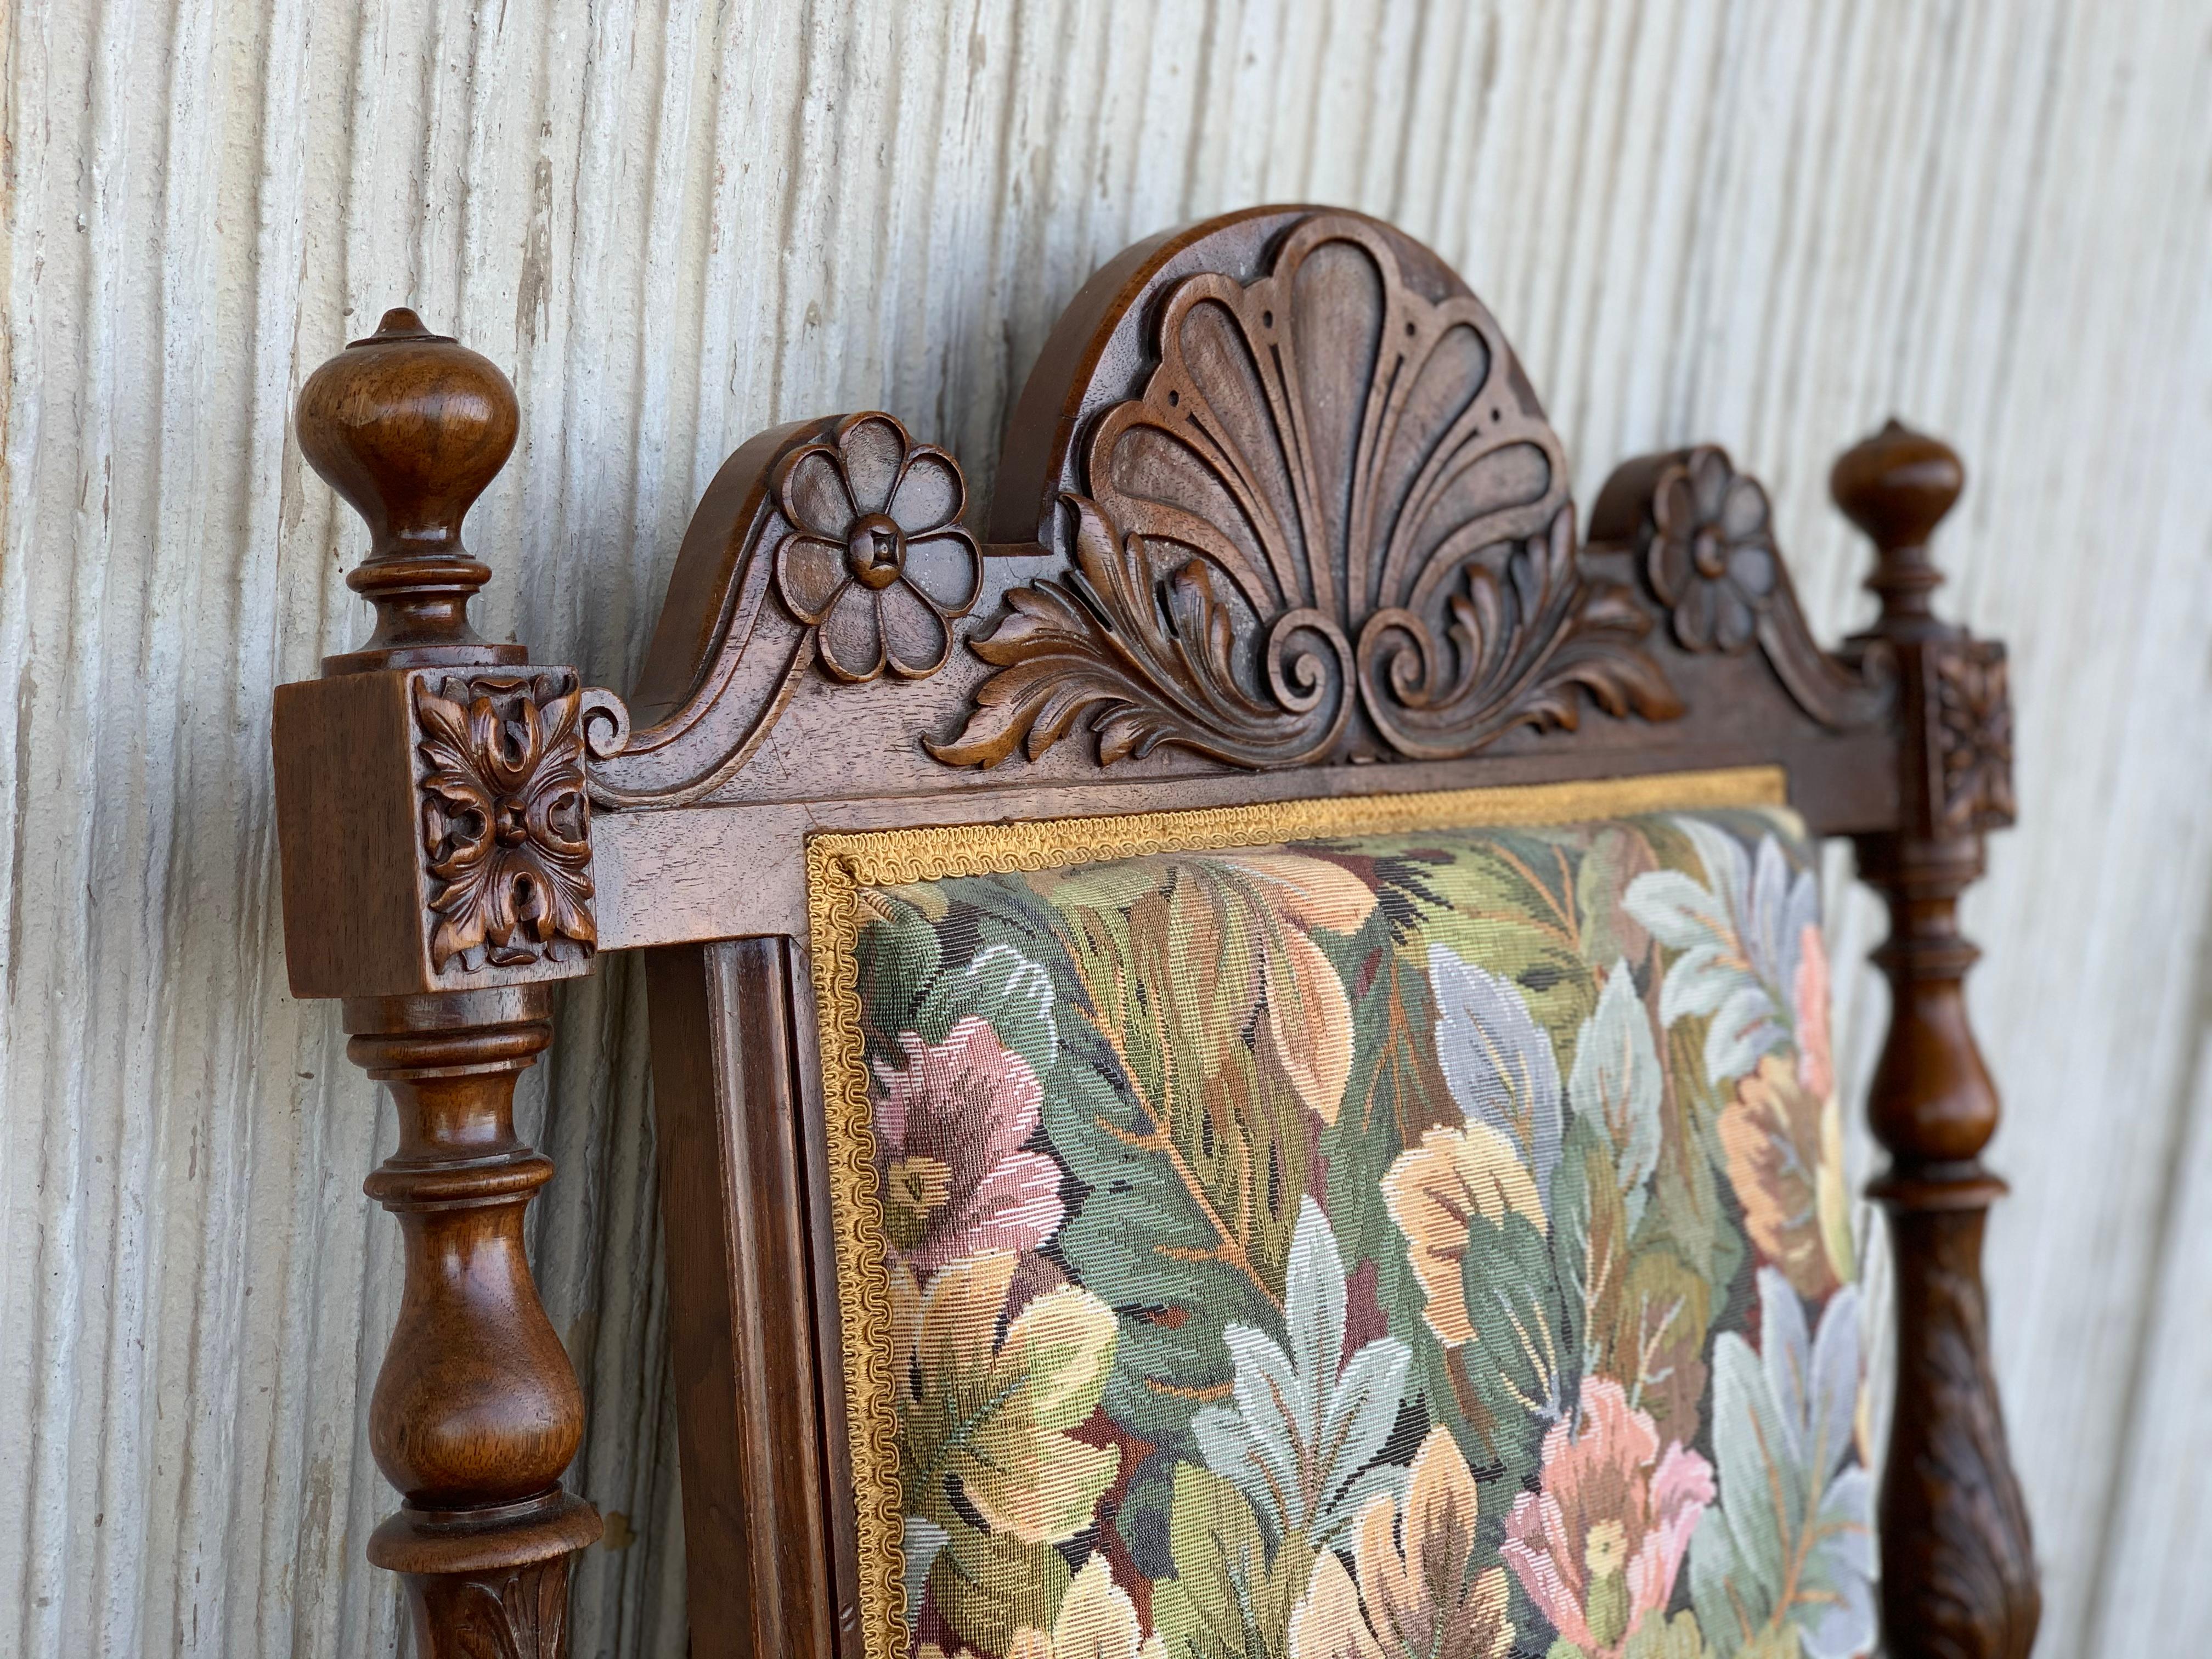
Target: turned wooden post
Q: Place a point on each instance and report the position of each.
(1958, 1570)
(435, 839)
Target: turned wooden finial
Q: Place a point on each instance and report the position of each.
(409, 427)
(1896, 486)
(436, 851)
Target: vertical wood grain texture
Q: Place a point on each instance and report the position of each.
(676, 222)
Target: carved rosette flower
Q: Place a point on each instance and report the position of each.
(506, 826)
(1712, 557)
(876, 562)
(1973, 712)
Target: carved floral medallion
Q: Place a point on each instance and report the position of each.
(877, 562)
(1333, 523)
(1974, 735)
(1711, 557)
(506, 826)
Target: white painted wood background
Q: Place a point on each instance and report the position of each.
(1769, 224)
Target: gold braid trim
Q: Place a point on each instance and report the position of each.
(839, 864)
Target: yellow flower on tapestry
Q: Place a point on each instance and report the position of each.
(992, 1479)
(1307, 1030)
(1432, 1191)
(994, 1416)
(1785, 1158)
(1096, 1620)
(1222, 948)
(1420, 1593)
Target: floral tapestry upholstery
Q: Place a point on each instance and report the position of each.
(1426, 1244)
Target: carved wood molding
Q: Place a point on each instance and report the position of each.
(1972, 1595)
(1285, 497)
(1959, 1575)
(1332, 524)
(510, 1613)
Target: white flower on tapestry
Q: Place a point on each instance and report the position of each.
(1497, 1062)
(1789, 1549)
(1618, 1086)
(1741, 938)
(1308, 1419)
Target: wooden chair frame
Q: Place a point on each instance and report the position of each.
(461, 829)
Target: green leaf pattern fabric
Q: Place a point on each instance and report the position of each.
(1302, 1435)
(1424, 1244)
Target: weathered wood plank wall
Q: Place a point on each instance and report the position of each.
(676, 223)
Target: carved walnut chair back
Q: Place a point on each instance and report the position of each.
(1279, 523)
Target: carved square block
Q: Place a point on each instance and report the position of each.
(435, 831)
(1965, 737)
(1972, 735)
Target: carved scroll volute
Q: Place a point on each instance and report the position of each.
(835, 545)
(1957, 1578)
(1329, 521)
(436, 845)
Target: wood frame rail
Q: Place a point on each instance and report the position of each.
(1231, 558)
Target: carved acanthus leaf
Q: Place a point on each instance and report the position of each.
(1152, 661)
(506, 828)
(1526, 633)
(1333, 524)
(1968, 1591)
(519, 1614)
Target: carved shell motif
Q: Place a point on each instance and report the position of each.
(1334, 523)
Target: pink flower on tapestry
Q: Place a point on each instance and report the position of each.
(1599, 1547)
(1814, 1064)
(950, 1128)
